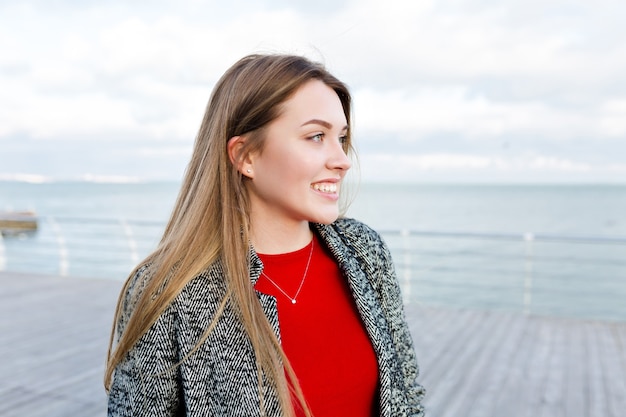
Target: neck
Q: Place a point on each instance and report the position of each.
(272, 238)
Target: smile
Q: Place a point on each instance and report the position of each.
(328, 188)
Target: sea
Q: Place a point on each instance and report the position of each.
(555, 249)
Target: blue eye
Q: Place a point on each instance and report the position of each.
(343, 139)
(317, 137)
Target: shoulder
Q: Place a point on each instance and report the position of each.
(352, 229)
(350, 225)
(205, 291)
(349, 238)
(202, 293)
(135, 285)
(354, 233)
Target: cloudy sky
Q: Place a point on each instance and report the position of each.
(451, 90)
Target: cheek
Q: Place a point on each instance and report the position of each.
(295, 167)
(279, 171)
(289, 164)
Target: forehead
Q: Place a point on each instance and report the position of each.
(315, 100)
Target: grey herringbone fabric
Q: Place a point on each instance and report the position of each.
(220, 379)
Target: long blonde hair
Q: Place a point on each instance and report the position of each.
(210, 220)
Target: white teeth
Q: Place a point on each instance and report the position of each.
(326, 188)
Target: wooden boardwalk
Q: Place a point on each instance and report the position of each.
(54, 332)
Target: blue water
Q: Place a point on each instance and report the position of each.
(145, 201)
(568, 209)
(103, 230)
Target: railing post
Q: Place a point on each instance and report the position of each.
(3, 258)
(528, 278)
(64, 264)
(406, 236)
(132, 243)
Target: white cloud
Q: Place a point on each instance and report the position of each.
(30, 178)
(164, 151)
(454, 109)
(119, 179)
(474, 70)
(613, 120)
(476, 167)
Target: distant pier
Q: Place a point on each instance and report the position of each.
(14, 222)
(55, 330)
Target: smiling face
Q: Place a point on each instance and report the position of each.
(296, 177)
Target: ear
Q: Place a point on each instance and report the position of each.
(241, 161)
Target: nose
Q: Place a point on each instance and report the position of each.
(337, 158)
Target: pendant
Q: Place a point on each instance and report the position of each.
(293, 301)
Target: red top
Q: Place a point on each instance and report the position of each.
(322, 333)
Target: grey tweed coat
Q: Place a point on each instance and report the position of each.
(220, 379)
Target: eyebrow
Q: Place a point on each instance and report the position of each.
(321, 123)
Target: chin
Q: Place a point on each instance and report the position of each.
(325, 219)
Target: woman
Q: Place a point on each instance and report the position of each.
(258, 300)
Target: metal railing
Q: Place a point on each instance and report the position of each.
(582, 276)
(90, 248)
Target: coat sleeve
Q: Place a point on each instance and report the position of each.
(147, 381)
(388, 290)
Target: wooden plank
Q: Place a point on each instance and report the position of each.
(553, 386)
(54, 332)
(537, 369)
(596, 385)
(54, 336)
(451, 358)
(576, 400)
(511, 400)
(611, 360)
(479, 367)
(497, 369)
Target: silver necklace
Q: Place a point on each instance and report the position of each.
(293, 299)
